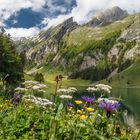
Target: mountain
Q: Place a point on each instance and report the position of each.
(108, 16)
(47, 42)
(86, 51)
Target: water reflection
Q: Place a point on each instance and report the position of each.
(131, 101)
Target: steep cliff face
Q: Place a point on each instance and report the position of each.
(87, 52)
(129, 41)
(47, 43)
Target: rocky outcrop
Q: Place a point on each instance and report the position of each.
(133, 32)
(66, 26)
(52, 38)
(40, 53)
(132, 53)
(87, 63)
(108, 16)
(56, 33)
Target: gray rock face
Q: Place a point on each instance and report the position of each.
(132, 53)
(53, 37)
(108, 16)
(39, 55)
(66, 26)
(133, 32)
(87, 63)
(114, 52)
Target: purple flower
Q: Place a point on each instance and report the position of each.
(17, 96)
(88, 99)
(14, 102)
(16, 99)
(69, 105)
(108, 105)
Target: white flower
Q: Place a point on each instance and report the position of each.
(35, 87)
(92, 89)
(65, 97)
(30, 82)
(61, 90)
(67, 91)
(19, 89)
(38, 101)
(41, 85)
(103, 85)
(107, 100)
(72, 89)
(45, 100)
(38, 86)
(100, 87)
(43, 91)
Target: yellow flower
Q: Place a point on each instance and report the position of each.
(114, 114)
(70, 109)
(78, 102)
(84, 117)
(89, 109)
(79, 111)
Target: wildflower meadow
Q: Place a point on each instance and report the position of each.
(28, 116)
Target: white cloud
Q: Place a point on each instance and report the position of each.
(23, 32)
(10, 7)
(84, 7)
(82, 11)
(55, 21)
(85, 10)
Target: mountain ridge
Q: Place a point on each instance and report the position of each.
(78, 49)
(108, 16)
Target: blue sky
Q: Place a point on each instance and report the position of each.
(23, 18)
(27, 18)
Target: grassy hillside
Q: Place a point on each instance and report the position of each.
(130, 77)
(85, 37)
(86, 52)
(86, 34)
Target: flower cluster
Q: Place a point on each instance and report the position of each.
(64, 93)
(20, 90)
(37, 100)
(69, 106)
(89, 105)
(67, 91)
(92, 89)
(34, 85)
(88, 99)
(86, 107)
(65, 97)
(100, 88)
(108, 105)
(31, 86)
(16, 98)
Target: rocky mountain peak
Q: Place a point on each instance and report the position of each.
(108, 16)
(68, 22)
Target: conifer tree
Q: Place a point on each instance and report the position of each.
(11, 68)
